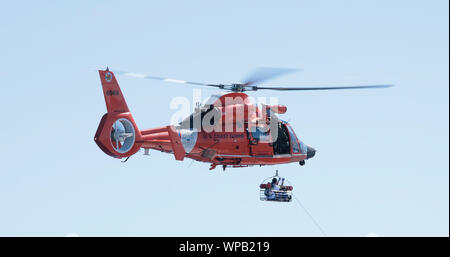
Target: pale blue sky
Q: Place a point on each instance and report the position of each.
(382, 161)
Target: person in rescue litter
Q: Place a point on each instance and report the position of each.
(277, 195)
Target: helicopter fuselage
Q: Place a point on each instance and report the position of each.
(242, 144)
(232, 131)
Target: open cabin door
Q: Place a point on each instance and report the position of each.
(282, 144)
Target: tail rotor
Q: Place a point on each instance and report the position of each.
(122, 135)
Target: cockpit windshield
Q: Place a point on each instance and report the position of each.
(297, 145)
(293, 138)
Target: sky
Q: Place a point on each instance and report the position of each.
(382, 162)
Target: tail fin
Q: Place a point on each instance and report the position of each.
(115, 102)
(117, 134)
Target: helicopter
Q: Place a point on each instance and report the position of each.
(228, 130)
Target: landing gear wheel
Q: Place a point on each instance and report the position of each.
(301, 163)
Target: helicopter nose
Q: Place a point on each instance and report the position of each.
(310, 152)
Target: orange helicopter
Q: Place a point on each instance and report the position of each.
(229, 130)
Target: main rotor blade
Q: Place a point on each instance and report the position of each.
(319, 88)
(264, 73)
(143, 76)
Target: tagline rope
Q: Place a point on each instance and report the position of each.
(310, 216)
